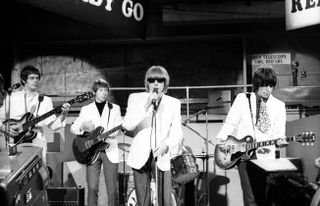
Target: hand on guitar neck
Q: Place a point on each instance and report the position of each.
(64, 111)
(282, 142)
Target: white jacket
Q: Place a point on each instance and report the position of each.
(90, 112)
(168, 121)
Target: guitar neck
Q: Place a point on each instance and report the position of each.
(46, 115)
(105, 135)
(255, 145)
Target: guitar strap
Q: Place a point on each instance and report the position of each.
(248, 94)
(40, 99)
(110, 106)
(25, 103)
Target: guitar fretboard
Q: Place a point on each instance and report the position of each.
(105, 135)
(255, 145)
(46, 115)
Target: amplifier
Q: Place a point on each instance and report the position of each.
(65, 196)
(23, 177)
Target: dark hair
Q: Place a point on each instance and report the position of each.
(264, 76)
(26, 71)
(100, 83)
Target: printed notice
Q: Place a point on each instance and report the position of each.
(265, 59)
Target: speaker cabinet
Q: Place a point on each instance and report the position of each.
(23, 177)
(65, 196)
(259, 178)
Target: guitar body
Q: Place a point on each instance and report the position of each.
(87, 147)
(235, 151)
(28, 121)
(25, 134)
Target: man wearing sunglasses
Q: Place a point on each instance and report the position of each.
(155, 119)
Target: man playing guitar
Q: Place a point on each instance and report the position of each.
(29, 100)
(101, 113)
(259, 115)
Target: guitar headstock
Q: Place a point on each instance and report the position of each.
(84, 97)
(306, 137)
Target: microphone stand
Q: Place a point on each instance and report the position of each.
(154, 113)
(205, 192)
(11, 147)
(207, 141)
(4, 94)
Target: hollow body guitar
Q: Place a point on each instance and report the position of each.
(87, 147)
(234, 150)
(27, 122)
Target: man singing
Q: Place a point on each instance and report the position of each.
(155, 119)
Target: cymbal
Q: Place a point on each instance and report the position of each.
(203, 156)
(124, 146)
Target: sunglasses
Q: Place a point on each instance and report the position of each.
(160, 80)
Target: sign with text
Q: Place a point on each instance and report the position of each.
(267, 59)
(124, 16)
(301, 13)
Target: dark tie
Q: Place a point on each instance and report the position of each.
(263, 123)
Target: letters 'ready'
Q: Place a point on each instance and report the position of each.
(309, 4)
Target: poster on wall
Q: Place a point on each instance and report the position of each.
(120, 16)
(280, 62)
(302, 13)
(270, 59)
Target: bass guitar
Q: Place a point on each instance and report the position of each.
(234, 150)
(87, 147)
(27, 122)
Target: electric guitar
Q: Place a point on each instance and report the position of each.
(27, 122)
(87, 147)
(234, 150)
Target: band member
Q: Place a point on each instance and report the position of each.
(108, 115)
(28, 100)
(265, 119)
(155, 119)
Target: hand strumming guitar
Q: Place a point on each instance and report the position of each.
(87, 126)
(13, 129)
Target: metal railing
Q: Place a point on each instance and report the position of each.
(188, 89)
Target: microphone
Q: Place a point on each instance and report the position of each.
(154, 101)
(13, 87)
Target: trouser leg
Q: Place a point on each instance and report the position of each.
(93, 174)
(248, 197)
(111, 179)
